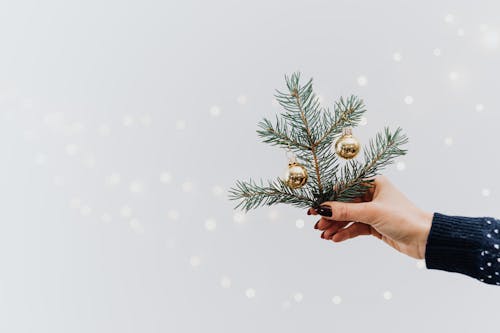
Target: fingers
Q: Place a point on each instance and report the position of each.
(354, 230)
(366, 212)
(323, 224)
(333, 228)
(311, 211)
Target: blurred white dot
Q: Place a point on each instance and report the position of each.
(298, 297)
(104, 130)
(420, 264)
(75, 203)
(273, 214)
(195, 261)
(165, 177)
(449, 18)
(127, 120)
(436, 52)
(187, 186)
(299, 223)
(210, 224)
(242, 99)
(387, 295)
(336, 300)
(362, 81)
(217, 190)
(448, 141)
(397, 57)
(408, 100)
(401, 166)
(479, 107)
(74, 128)
(453, 76)
(490, 39)
(85, 210)
(113, 179)
(125, 211)
(363, 121)
(215, 111)
(180, 124)
(71, 149)
(54, 119)
(239, 217)
(106, 218)
(250, 293)
(89, 161)
(145, 119)
(136, 226)
(173, 215)
(460, 32)
(320, 98)
(225, 282)
(485, 192)
(40, 159)
(136, 186)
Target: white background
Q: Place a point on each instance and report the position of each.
(124, 123)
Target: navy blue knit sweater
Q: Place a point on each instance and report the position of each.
(467, 245)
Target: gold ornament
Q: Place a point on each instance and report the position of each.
(296, 175)
(347, 146)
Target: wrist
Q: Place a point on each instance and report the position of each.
(426, 223)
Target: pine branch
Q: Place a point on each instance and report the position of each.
(253, 195)
(379, 153)
(309, 130)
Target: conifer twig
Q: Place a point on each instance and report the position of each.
(309, 130)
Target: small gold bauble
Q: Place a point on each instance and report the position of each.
(347, 146)
(296, 175)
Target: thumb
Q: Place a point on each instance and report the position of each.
(364, 212)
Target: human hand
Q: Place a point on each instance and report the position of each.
(383, 212)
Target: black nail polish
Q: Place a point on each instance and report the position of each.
(316, 225)
(308, 212)
(323, 235)
(324, 211)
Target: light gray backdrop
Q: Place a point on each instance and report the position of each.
(124, 123)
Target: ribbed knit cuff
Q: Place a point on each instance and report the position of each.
(454, 244)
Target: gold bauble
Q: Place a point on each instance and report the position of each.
(347, 146)
(296, 175)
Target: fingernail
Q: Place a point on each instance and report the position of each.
(316, 225)
(323, 235)
(309, 212)
(324, 211)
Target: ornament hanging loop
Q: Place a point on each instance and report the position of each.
(347, 131)
(290, 155)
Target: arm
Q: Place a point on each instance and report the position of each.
(451, 243)
(466, 245)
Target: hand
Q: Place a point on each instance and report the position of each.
(385, 213)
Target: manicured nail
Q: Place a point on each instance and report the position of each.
(323, 235)
(324, 211)
(316, 225)
(309, 212)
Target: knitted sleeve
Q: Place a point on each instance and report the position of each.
(466, 245)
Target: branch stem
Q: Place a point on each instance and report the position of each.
(309, 135)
